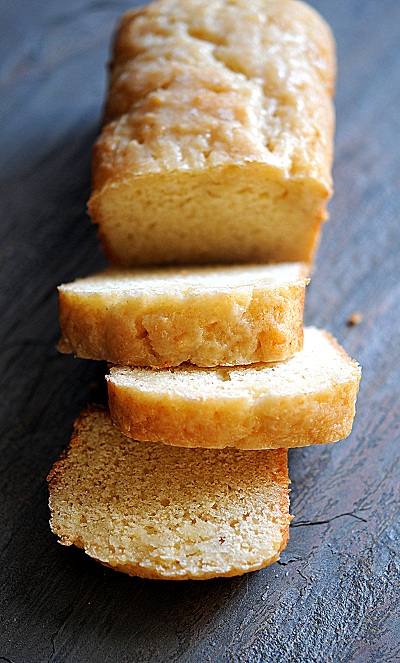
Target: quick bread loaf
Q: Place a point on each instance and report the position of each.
(217, 138)
(205, 316)
(308, 399)
(161, 512)
(216, 149)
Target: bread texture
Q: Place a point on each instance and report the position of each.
(204, 316)
(217, 138)
(160, 512)
(308, 399)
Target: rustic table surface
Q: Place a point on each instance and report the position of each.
(334, 594)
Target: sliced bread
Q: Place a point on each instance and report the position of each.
(204, 316)
(217, 137)
(308, 399)
(160, 512)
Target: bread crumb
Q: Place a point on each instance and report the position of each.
(354, 319)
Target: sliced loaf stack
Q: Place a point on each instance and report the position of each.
(216, 148)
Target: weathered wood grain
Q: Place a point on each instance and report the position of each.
(334, 596)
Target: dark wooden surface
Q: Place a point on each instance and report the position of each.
(334, 595)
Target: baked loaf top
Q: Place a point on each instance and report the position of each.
(205, 316)
(196, 84)
(217, 136)
(223, 514)
(308, 399)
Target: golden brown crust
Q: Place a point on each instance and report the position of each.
(319, 419)
(146, 37)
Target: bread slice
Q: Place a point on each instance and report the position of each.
(161, 512)
(204, 316)
(308, 399)
(217, 137)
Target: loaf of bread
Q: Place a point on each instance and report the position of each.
(160, 512)
(308, 399)
(205, 316)
(217, 137)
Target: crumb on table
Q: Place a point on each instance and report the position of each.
(354, 319)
